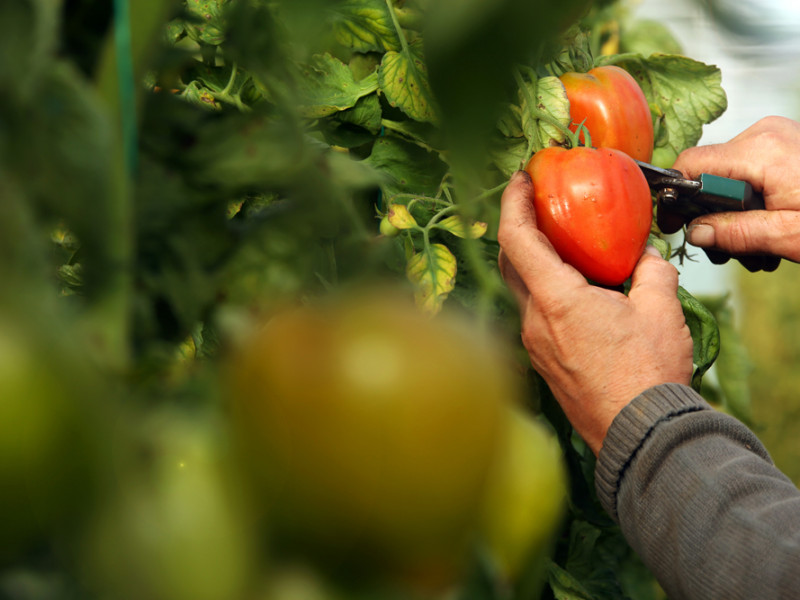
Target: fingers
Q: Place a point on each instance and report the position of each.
(715, 158)
(756, 232)
(536, 264)
(763, 155)
(513, 280)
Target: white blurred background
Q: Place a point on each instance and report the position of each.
(756, 44)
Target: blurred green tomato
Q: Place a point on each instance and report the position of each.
(48, 437)
(371, 429)
(387, 229)
(526, 495)
(177, 529)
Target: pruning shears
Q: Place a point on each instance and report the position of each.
(680, 200)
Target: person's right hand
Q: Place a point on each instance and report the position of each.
(767, 155)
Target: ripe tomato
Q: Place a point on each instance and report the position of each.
(526, 497)
(614, 108)
(371, 429)
(594, 206)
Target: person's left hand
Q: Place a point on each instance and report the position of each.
(597, 349)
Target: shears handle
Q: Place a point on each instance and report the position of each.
(716, 194)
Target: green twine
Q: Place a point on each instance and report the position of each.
(127, 87)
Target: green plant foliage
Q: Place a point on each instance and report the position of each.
(683, 93)
(284, 150)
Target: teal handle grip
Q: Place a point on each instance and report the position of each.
(720, 194)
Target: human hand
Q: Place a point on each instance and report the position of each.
(767, 155)
(596, 348)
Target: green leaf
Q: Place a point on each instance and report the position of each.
(210, 26)
(365, 26)
(471, 47)
(28, 40)
(400, 217)
(403, 79)
(686, 93)
(551, 110)
(433, 273)
(328, 86)
(510, 122)
(705, 334)
(564, 585)
(239, 152)
(457, 227)
(406, 168)
(662, 245)
(366, 113)
(648, 37)
(509, 154)
(733, 366)
(423, 135)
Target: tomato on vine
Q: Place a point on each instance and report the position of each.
(594, 206)
(611, 105)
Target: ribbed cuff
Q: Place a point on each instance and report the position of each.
(630, 429)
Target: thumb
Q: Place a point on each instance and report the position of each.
(752, 232)
(654, 282)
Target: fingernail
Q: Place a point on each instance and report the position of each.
(701, 235)
(652, 251)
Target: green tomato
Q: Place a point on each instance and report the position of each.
(49, 439)
(370, 429)
(387, 228)
(176, 527)
(525, 500)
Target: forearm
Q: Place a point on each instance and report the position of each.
(699, 500)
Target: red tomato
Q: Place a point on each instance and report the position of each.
(594, 206)
(614, 108)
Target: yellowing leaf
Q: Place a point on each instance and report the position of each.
(433, 273)
(455, 225)
(400, 217)
(552, 107)
(365, 26)
(403, 79)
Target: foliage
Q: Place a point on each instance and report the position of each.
(243, 162)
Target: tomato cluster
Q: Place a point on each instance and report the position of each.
(594, 204)
(371, 431)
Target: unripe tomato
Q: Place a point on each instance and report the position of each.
(526, 497)
(175, 528)
(612, 106)
(387, 229)
(371, 429)
(49, 438)
(595, 208)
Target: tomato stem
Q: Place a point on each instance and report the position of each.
(401, 36)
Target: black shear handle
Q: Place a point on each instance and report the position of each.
(673, 214)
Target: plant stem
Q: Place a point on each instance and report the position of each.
(231, 81)
(397, 27)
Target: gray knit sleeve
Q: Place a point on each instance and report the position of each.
(698, 498)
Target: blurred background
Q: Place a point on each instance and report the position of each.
(756, 44)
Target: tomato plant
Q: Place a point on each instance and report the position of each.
(165, 190)
(594, 206)
(612, 106)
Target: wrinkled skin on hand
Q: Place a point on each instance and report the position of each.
(596, 348)
(768, 156)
